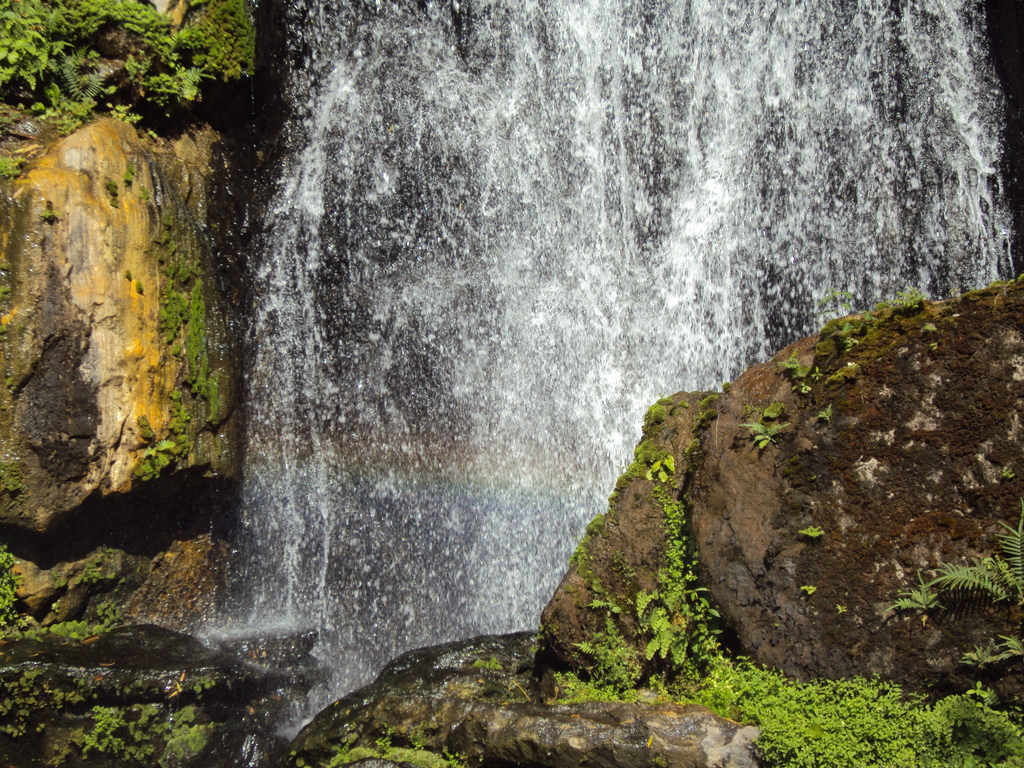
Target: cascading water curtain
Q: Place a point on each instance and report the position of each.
(507, 227)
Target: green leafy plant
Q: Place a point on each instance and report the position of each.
(854, 722)
(911, 298)
(808, 589)
(662, 469)
(835, 299)
(8, 588)
(613, 662)
(922, 598)
(993, 652)
(826, 414)
(812, 532)
(51, 51)
(997, 578)
(156, 458)
(763, 435)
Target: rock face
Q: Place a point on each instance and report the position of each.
(115, 349)
(139, 696)
(480, 700)
(816, 489)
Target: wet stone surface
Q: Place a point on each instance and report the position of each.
(143, 696)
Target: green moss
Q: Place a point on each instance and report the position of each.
(844, 374)
(704, 419)
(492, 664)
(186, 739)
(173, 311)
(195, 342)
(773, 411)
(25, 699)
(679, 408)
(826, 348)
(708, 401)
(101, 565)
(10, 476)
(580, 557)
(10, 167)
(655, 416)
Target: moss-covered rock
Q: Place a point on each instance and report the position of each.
(132, 697)
(893, 438)
(477, 702)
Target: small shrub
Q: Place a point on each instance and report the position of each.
(823, 723)
(8, 587)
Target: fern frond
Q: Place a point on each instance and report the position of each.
(984, 576)
(644, 599)
(1012, 544)
(923, 598)
(982, 656)
(1014, 645)
(78, 76)
(606, 604)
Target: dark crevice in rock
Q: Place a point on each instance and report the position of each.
(144, 522)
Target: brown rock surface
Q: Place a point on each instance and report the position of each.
(182, 586)
(899, 438)
(113, 349)
(479, 699)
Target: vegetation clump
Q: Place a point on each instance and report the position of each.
(8, 588)
(66, 59)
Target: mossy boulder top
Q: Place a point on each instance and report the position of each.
(817, 488)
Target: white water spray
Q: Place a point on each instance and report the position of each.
(507, 227)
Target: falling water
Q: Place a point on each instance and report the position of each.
(508, 226)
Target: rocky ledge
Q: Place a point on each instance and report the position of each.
(480, 703)
(146, 696)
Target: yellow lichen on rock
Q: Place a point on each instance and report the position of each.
(91, 375)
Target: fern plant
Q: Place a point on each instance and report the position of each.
(1000, 577)
(923, 598)
(997, 578)
(763, 434)
(78, 75)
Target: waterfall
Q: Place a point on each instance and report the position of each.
(507, 226)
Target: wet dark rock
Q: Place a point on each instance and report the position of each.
(183, 585)
(897, 450)
(140, 696)
(283, 650)
(480, 699)
(238, 746)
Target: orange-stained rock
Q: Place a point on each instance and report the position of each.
(182, 586)
(103, 393)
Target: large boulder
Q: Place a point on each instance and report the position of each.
(115, 345)
(809, 495)
(480, 700)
